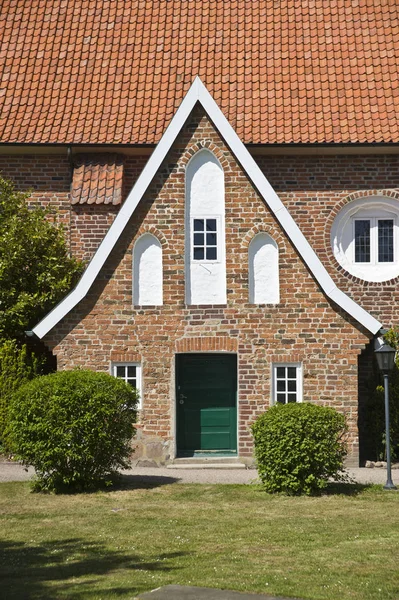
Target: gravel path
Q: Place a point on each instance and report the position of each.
(10, 471)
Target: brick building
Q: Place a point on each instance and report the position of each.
(241, 230)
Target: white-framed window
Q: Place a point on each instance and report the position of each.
(205, 252)
(131, 373)
(205, 239)
(365, 238)
(374, 240)
(286, 383)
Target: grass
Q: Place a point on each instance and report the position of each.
(343, 545)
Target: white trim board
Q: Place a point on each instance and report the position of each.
(199, 93)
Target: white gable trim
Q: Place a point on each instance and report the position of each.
(198, 93)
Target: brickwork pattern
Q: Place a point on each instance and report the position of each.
(303, 327)
(314, 189)
(48, 178)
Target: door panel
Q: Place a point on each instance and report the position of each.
(206, 403)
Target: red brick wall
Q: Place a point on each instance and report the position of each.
(314, 188)
(303, 327)
(48, 178)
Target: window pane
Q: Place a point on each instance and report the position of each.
(198, 224)
(211, 239)
(362, 241)
(211, 253)
(281, 385)
(291, 397)
(292, 386)
(120, 371)
(385, 240)
(198, 239)
(281, 398)
(211, 224)
(291, 372)
(198, 254)
(131, 371)
(280, 372)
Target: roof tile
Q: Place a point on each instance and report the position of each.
(91, 71)
(97, 180)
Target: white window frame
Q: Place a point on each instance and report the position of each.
(114, 366)
(299, 380)
(373, 209)
(374, 240)
(218, 220)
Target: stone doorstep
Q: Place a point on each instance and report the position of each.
(202, 462)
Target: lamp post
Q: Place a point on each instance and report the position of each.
(386, 359)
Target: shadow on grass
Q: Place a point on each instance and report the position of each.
(45, 570)
(350, 488)
(137, 482)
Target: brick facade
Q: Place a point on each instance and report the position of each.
(304, 327)
(314, 189)
(48, 177)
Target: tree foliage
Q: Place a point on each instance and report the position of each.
(35, 269)
(73, 427)
(18, 365)
(298, 447)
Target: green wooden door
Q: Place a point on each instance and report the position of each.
(206, 403)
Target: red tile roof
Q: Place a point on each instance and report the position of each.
(287, 71)
(97, 180)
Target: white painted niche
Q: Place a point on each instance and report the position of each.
(205, 255)
(147, 271)
(264, 286)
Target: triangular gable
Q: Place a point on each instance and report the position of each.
(199, 93)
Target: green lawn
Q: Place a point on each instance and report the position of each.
(117, 544)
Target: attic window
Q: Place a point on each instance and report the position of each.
(365, 238)
(374, 240)
(205, 237)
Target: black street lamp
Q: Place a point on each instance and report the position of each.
(386, 359)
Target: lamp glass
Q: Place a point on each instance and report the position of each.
(385, 357)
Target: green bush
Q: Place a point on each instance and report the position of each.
(73, 427)
(298, 447)
(17, 366)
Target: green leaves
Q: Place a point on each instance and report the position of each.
(35, 269)
(17, 366)
(298, 447)
(74, 427)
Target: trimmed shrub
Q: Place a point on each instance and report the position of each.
(17, 366)
(73, 427)
(298, 447)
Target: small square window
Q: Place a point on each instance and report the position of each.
(131, 373)
(286, 383)
(198, 224)
(205, 239)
